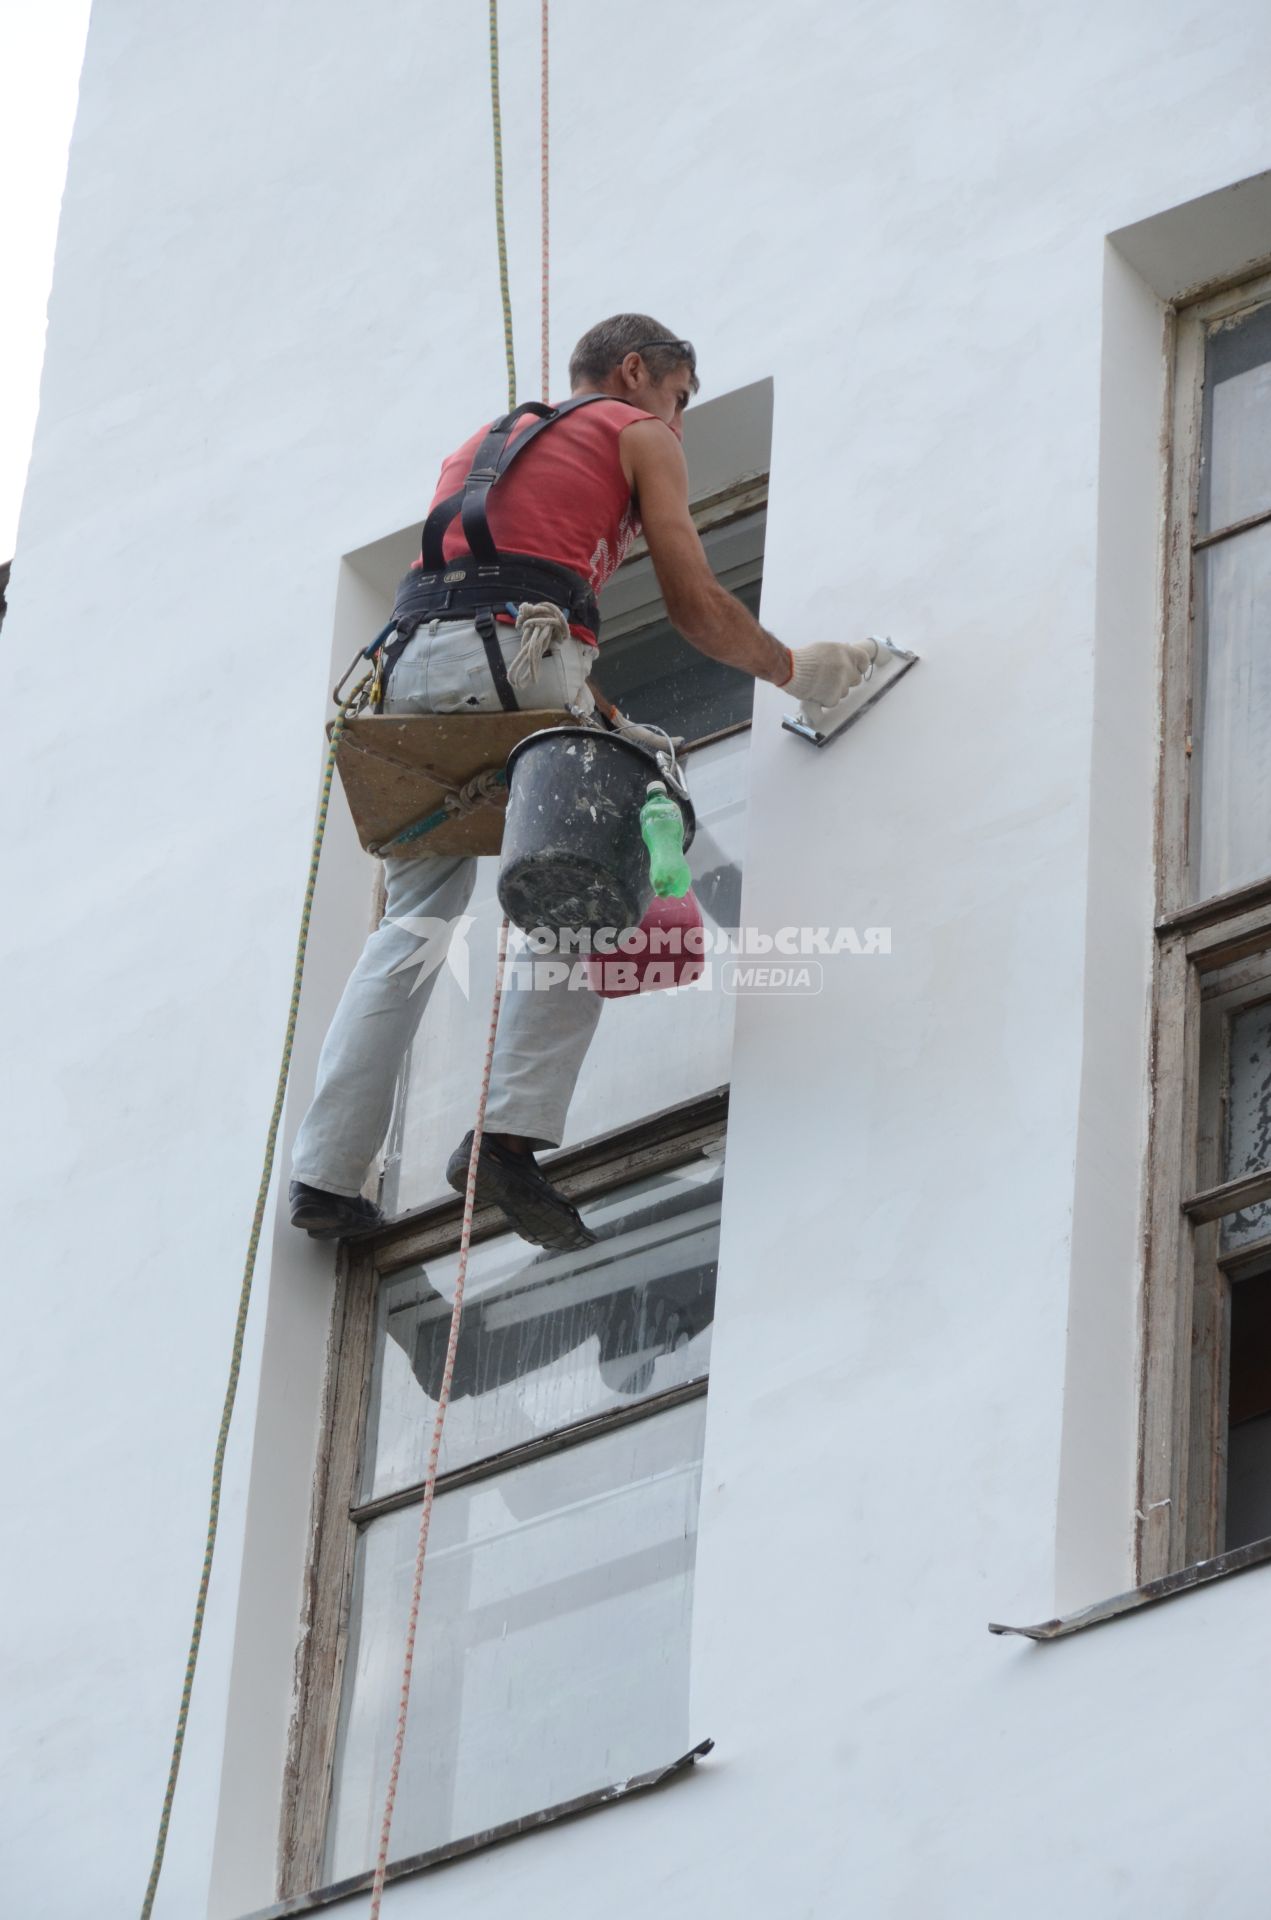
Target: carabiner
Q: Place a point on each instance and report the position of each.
(338, 693)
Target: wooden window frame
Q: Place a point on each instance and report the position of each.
(1181, 1490)
(673, 1138)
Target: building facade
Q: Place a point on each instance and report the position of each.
(967, 1230)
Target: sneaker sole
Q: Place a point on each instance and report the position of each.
(335, 1233)
(320, 1227)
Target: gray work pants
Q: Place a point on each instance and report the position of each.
(543, 1034)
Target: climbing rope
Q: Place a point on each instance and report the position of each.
(434, 1451)
(244, 1300)
(544, 301)
(498, 202)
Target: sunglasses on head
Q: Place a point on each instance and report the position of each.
(685, 347)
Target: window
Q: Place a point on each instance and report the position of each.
(552, 1658)
(1205, 1483)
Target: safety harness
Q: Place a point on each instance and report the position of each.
(475, 585)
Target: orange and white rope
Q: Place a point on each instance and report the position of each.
(544, 125)
(465, 1236)
(434, 1451)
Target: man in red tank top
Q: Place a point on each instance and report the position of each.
(574, 501)
(570, 501)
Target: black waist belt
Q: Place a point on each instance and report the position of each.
(469, 587)
(473, 590)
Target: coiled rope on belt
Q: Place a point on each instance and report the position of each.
(244, 1301)
(434, 1451)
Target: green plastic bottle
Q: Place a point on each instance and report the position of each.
(662, 825)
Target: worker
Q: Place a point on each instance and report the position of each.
(603, 467)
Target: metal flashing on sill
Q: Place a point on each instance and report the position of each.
(478, 1842)
(1239, 1560)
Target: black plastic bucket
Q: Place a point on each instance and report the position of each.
(573, 856)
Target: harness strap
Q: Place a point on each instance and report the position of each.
(389, 657)
(491, 461)
(484, 623)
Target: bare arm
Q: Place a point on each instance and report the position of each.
(708, 616)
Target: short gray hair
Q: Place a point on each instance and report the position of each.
(606, 345)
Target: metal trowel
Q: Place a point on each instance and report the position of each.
(819, 724)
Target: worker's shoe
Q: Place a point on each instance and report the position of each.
(332, 1216)
(513, 1183)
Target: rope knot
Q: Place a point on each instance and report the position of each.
(486, 789)
(542, 627)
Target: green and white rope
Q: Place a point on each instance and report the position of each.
(244, 1301)
(504, 291)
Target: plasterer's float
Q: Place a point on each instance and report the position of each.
(820, 725)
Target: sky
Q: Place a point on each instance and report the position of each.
(41, 51)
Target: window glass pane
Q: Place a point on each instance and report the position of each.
(552, 1656)
(1248, 1117)
(650, 1052)
(653, 674)
(1249, 1413)
(1236, 471)
(547, 1339)
(1233, 740)
(1248, 1483)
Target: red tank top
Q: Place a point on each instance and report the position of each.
(565, 499)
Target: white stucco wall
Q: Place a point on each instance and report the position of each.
(275, 306)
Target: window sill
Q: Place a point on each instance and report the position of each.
(419, 1863)
(1239, 1560)
(670, 1138)
(709, 739)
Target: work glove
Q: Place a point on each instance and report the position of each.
(825, 674)
(651, 738)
